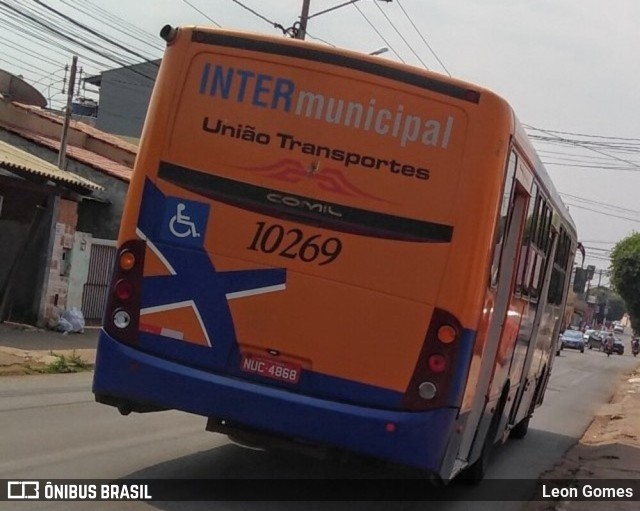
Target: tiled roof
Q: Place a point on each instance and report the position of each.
(21, 162)
(100, 163)
(80, 126)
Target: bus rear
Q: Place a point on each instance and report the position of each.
(286, 236)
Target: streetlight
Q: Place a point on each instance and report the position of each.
(380, 51)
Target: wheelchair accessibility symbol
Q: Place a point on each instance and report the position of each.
(184, 221)
(181, 225)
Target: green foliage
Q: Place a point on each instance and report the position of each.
(614, 303)
(64, 364)
(616, 308)
(625, 275)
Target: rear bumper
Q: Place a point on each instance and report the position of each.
(126, 375)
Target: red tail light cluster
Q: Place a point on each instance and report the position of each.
(122, 315)
(432, 377)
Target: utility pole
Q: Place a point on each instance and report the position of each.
(62, 155)
(304, 17)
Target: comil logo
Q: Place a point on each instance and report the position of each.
(23, 490)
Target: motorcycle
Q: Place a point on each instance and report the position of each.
(608, 349)
(635, 347)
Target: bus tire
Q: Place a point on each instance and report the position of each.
(521, 429)
(475, 473)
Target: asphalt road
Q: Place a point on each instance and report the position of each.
(52, 428)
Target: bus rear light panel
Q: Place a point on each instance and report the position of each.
(122, 315)
(431, 381)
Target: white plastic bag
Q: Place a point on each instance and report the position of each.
(75, 319)
(64, 325)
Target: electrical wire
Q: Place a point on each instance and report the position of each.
(598, 203)
(635, 166)
(401, 36)
(603, 213)
(263, 18)
(378, 32)
(93, 32)
(202, 13)
(120, 24)
(41, 23)
(423, 38)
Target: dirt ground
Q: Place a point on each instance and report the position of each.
(14, 361)
(608, 450)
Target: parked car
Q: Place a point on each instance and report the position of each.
(618, 328)
(572, 339)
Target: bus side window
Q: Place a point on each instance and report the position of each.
(543, 243)
(560, 268)
(506, 210)
(529, 235)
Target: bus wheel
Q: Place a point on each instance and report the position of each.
(474, 474)
(520, 430)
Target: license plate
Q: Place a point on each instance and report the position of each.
(269, 368)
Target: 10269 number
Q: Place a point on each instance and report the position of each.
(293, 244)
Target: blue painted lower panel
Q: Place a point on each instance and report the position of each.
(418, 438)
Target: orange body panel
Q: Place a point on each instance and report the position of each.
(363, 316)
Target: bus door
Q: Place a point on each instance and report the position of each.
(520, 370)
(513, 215)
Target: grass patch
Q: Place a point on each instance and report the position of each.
(66, 364)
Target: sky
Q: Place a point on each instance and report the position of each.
(568, 68)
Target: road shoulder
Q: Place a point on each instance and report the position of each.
(609, 449)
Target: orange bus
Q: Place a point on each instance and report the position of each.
(326, 248)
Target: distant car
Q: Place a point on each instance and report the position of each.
(572, 339)
(595, 339)
(618, 346)
(587, 334)
(618, 328)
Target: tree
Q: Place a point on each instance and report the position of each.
(625, 275)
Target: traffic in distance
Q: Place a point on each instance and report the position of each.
(604, 340)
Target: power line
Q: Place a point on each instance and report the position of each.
(93, 32)
(263, 18)
(115, 23)
(576, 143)
(604, 204)
(422, 37)
(603, 213)
(401, 36)
(42, 23)
(378, 32)
(202, 13)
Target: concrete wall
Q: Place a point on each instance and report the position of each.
(124, 98)
(80, 257)
(57, 285)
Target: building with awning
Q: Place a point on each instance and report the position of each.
(57, 227)
(36, 170)
(38, 217)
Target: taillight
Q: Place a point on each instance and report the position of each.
(122, 315)
(123, 290)
(433, 377)
(126, 260)
(437, 363)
